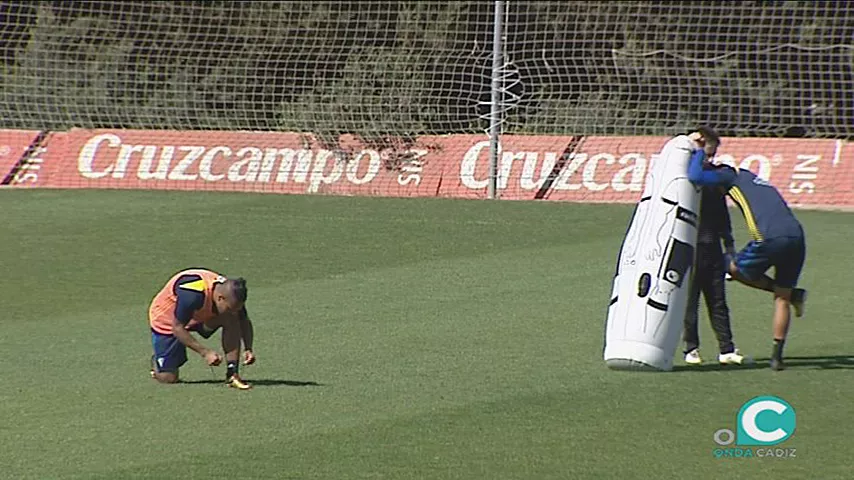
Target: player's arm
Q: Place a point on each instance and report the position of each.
(248, 334)
(720, 177)
(726, 224)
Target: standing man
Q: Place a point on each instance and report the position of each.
(201, 301)
(709, 270)
(778, 239)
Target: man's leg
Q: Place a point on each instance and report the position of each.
(715, 295)
(163, 376)
(749, 268)
(690, 331)
(231, 337)
(788, 265)
(169, 355)
(766, 283)
(782, 319)
(762, 281)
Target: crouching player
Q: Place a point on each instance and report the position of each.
(201, 301)
(778, 240)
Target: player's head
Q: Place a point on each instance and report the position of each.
(709, 139)
(230, 295)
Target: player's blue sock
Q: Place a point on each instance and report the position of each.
(231, 369)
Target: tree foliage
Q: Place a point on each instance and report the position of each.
(404, 68)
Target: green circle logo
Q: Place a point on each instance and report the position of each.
(765, 420)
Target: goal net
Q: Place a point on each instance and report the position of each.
(395, 97)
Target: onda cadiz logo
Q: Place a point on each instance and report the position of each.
(761, 423)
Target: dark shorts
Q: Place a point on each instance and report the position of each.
(169, 352)
(785, 254)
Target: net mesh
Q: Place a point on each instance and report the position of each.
(394, 97)
(649, 68)
(338, 67)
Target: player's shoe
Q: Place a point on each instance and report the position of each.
(799, 300)
(153, 367)
(693, 357)
(733, 358)
(236, 382)
(777, 364)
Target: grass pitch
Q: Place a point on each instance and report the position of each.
(396, 339)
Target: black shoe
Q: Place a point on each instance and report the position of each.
(777, 364)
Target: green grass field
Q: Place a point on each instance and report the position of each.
(447, 339)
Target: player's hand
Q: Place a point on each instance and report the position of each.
(248, 357)
(729, 257)
(212, 358)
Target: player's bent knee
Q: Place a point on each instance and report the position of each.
(740, 275)
(166, 377)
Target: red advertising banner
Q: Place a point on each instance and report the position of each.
(588, 169)
(613, 169)
(235, 161)
(13, 145)
(809, 173)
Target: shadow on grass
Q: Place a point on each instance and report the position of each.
(261, 382)
(829, 362)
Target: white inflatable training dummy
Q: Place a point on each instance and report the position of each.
(654, 267)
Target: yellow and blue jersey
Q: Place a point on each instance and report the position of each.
(765, 211)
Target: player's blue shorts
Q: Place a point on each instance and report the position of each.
(169, 352)
(785, 254)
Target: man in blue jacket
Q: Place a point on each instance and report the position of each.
(777, 236)
(709, 269)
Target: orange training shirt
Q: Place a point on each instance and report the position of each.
(161, 313)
